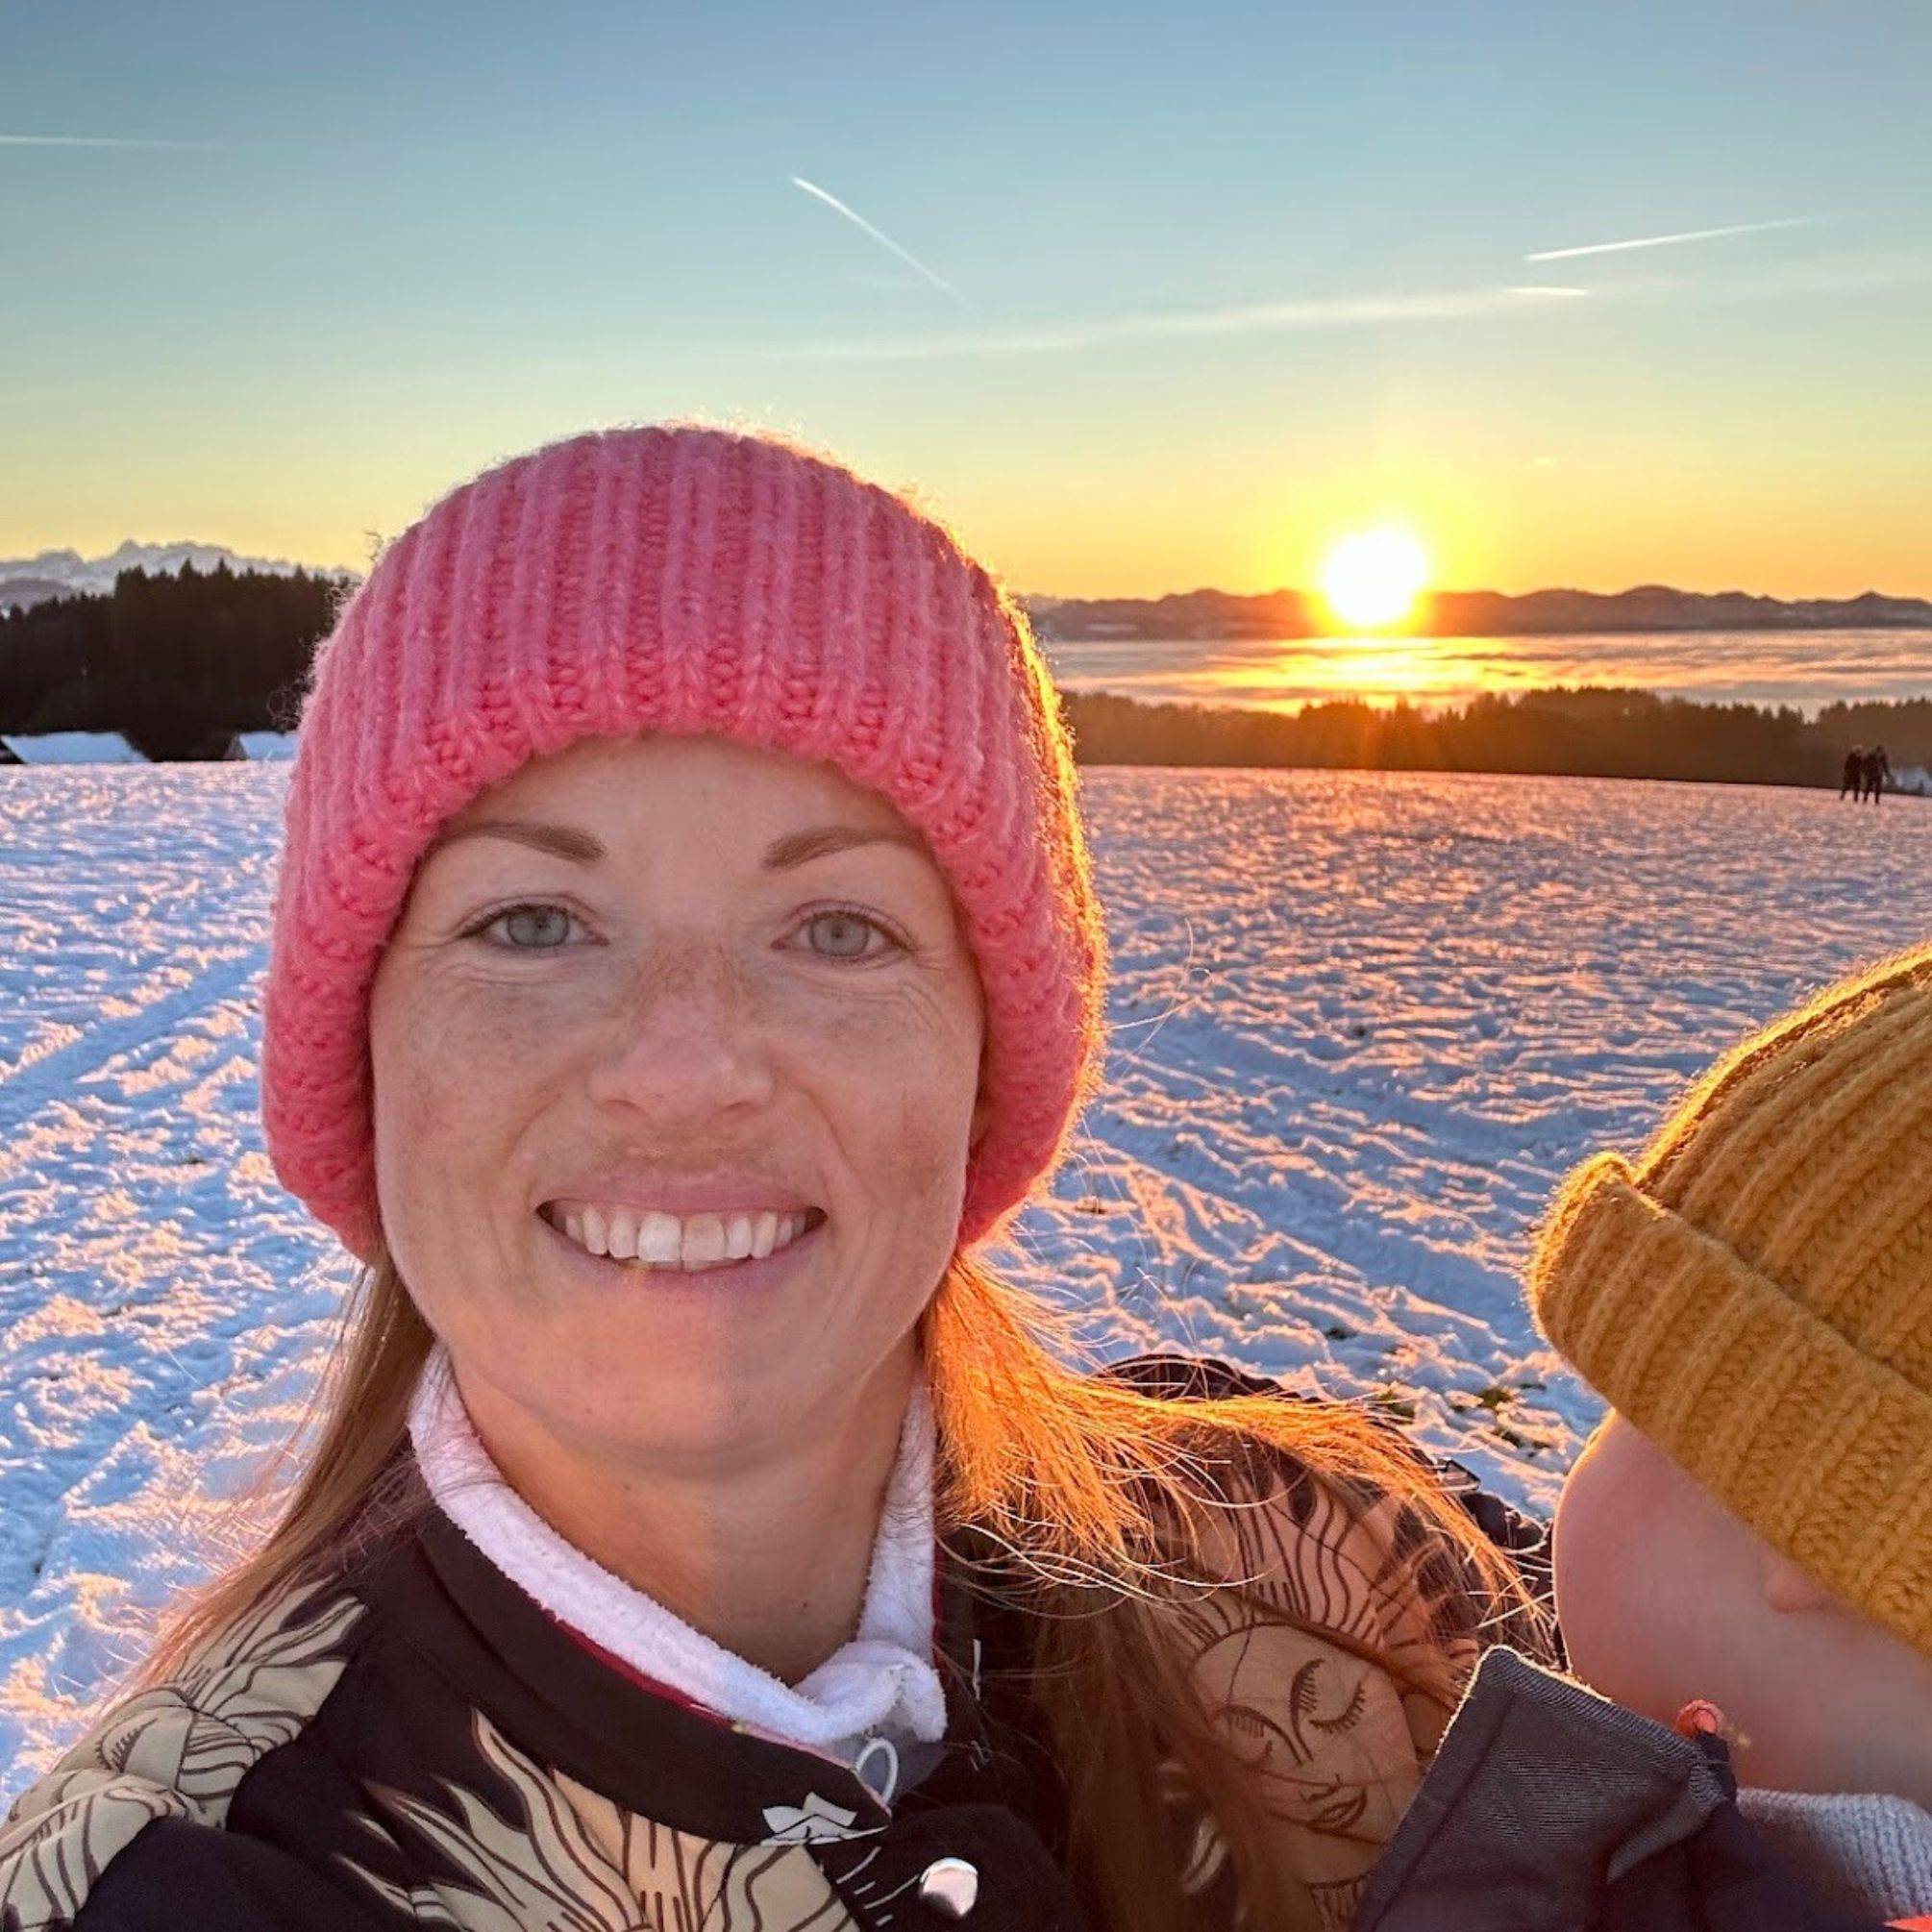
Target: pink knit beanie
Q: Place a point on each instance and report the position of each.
(680, 580)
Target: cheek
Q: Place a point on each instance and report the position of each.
(1596, 1555)
(1639, 1596)
(904, 1091)
(919, 1149)
(448, 1074)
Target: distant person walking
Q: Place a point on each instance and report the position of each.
(1877, 771)
(1854, 774)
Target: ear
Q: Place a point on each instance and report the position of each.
(1793, 1591)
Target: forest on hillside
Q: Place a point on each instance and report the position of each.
(176, 662)
(1581, 732)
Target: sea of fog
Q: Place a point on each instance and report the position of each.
(1360, 1025)
(1804, 668)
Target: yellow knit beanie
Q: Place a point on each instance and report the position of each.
(1755, 1296)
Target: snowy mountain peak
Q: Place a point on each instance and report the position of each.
(63, 573)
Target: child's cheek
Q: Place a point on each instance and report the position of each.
(1602, 1553)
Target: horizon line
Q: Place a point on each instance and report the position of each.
(275, 567)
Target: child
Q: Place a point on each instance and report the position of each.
(1744, 1551)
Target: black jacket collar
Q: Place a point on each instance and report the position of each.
(687, 1769)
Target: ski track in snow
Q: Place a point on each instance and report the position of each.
(1360, 1025)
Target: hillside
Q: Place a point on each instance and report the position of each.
(1473, 613)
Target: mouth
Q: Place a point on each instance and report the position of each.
(744, 1270)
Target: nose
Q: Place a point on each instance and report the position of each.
(685, 1043)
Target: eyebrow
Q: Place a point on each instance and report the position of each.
(580, 848)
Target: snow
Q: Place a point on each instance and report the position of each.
(72, 748)
(1361, 1025)
(267, 744)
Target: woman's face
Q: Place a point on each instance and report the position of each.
(694, 1004)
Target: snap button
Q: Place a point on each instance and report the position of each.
(949, 1886)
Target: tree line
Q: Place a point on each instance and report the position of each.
(177, 661)
(1583, 732)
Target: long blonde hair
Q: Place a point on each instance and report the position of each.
(1075, 1477)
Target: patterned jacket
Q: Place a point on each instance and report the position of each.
(421, 1744)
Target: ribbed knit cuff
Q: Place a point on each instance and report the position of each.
(1821, 1449)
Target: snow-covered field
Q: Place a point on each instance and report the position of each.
(1361, 1024)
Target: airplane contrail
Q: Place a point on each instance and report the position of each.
(1664, 241)
(1316, 313)
(831, 201)
(92, 141)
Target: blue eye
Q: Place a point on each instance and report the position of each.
(495, 919)
(849, 918)
(852, 920)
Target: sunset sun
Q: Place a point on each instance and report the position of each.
(1374, 577)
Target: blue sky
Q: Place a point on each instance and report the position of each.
(1219, 282)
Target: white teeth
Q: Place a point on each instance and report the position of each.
(665, 1241)
(704, 1240)
(660, 1241)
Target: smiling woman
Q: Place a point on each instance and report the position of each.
(685, 957)
(746, 994)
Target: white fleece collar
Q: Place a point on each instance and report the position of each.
(881, 1683)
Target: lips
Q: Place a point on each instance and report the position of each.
(723, 1191)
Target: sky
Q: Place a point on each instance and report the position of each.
(1140, 298)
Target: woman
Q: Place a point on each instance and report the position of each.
(698, 1532)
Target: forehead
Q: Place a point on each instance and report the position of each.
(684, 789)
(662, 761)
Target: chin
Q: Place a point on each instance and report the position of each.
(633, 1391)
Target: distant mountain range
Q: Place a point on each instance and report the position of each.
(1471, 613)
(65, 573)
(1192, 613)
